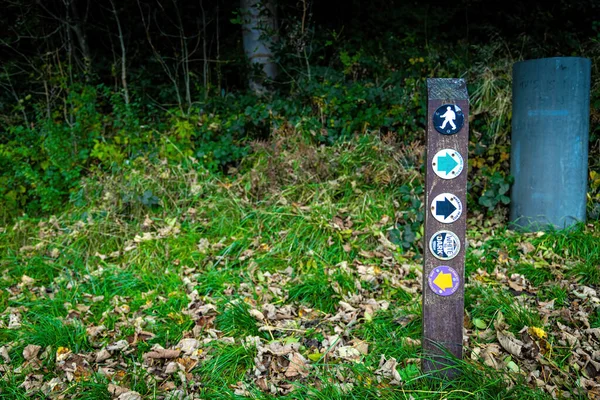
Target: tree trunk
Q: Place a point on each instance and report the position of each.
(259, 29)
(78, 26)
(123, 54)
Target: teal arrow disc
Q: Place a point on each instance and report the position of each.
(447, 163)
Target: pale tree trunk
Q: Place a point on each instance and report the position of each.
(259, 33)
(123, 54)
(78, 25)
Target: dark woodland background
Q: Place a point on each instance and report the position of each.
(95, 85)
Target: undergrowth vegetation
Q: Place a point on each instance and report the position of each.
(44, 158)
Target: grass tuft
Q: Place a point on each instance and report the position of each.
(50, 331)
(536, 275)
(226, 363)
(556, 293)
(485, 303)
(235, 320)
(316, 292)
(588, 274)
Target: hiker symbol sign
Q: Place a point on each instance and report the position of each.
(448, 119)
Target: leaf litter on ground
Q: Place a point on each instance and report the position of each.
(278, 290)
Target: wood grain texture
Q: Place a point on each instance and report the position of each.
(443, 315)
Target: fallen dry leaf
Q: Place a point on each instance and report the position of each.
(31, 351)
(387, 369)
(490, 353)
(27, 281)
(188, 346)
(511, 344)
(102, 355)
(52, 386)
(171, 368)
(116, 390)
(348, 353)
(14, 321)
(4, 354)
(94, 331)
(32, 382)
(118, 346)
(526, 247)
(298, 366)
(257, 314)
(363, 347)
(62, 353)
(162, 353)
(131, 395)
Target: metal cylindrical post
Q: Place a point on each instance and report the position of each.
(550, 135)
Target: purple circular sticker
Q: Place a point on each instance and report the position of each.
(444, 280)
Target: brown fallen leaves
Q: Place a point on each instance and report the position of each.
(549, 356)
(75, 366)
(160, 353)
(560, 356)
(31, 351)
(122, 393)
(388, 369)
(276, 363)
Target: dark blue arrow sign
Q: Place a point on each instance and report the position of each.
(444, 208)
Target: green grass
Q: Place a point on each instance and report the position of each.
(557, 293)
(586, 273)
(10, 388)
(272, 242)
(45, 331)
(316, 292)
(485, 303)
(579, 242)
(595, 319)
(236, 320)
(536, 275)
(213, 281)
(42, 269)
(95, 388)
(226, 363)
(386, 332)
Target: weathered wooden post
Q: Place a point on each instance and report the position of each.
(445, 223)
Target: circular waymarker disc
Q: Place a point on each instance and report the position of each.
(444, 245)
(447, 163)
(446, 208)
(444, 280)
(448, 119)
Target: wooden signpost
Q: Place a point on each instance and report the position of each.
(445, 223)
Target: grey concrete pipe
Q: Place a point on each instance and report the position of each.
(550, 135)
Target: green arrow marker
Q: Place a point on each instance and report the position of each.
(446, 164)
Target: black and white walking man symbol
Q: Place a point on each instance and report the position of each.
(448, 119)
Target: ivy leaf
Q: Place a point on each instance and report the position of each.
(479, 323)
(503, 188)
